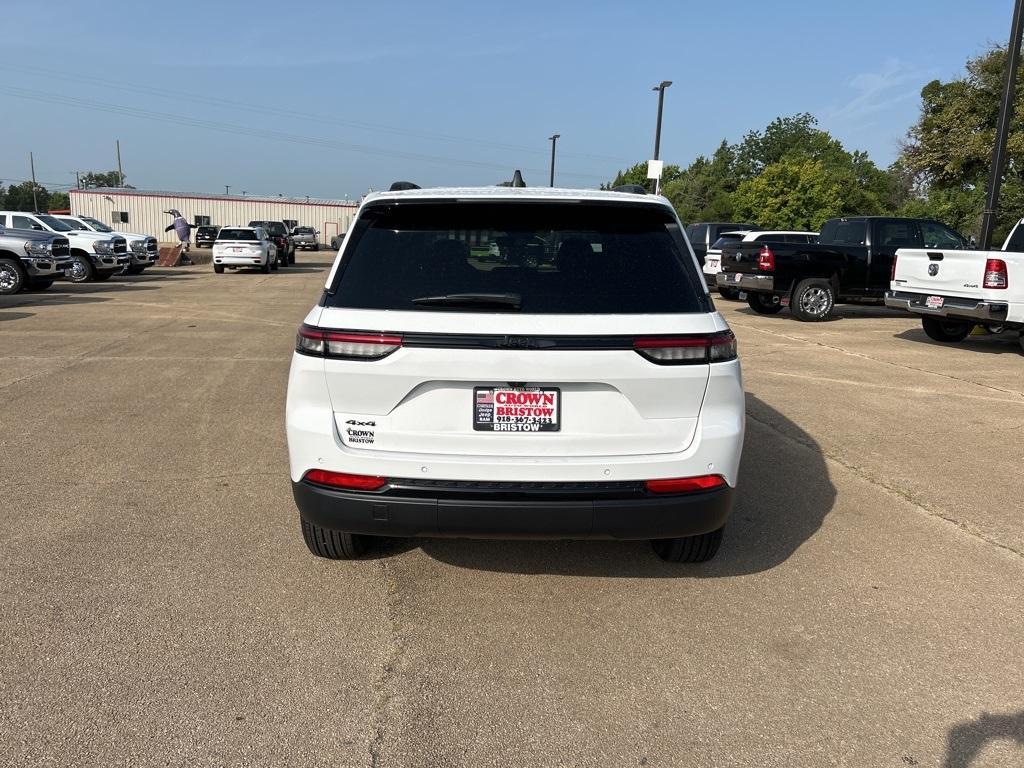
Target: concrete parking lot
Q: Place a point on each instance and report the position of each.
(158, 605)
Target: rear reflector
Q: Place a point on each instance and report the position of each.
(345, 480)
(685, 484)
(348, 346)
(684, 350)
(995, 274)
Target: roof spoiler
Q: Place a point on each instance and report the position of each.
(401, 186)
(632, 189)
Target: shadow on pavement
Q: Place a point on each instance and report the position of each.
(967, 740)
(996, 344)
(783, 496)
(15, 315)
(841, 312)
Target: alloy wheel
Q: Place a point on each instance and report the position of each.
(814, 301)
(9, 278)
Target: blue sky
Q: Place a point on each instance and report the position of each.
(329, 99)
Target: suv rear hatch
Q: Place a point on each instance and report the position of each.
(590, 336)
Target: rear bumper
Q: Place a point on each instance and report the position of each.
(952, 306)
(500, 515)
(746, 281)
(255, 260)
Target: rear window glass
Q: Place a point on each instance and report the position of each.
(844, 232)
(237, 234)
(206, 231)
(303, 230)
(726, 239)
(272, 227)
(563, 258)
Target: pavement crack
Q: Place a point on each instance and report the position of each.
(384, 689)
(923, 506)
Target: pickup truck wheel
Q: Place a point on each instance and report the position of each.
(38, 285)
(218, 268)
(732, 294)
(947, 331)
(265, 268)
(81, 269)
(689, 549)
(334, 545)
(812, 300)
(764, 303)
(12, 277)
(1020, 338)
(100, 277)
(134, 269)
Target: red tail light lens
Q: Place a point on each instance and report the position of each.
(892, 272)
(346, 346)
(766, 259)
(995, 274)
(685, 484)
(345, 480)
(688, 350)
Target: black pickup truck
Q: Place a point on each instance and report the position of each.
(851, 262)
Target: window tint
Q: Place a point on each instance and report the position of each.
(726, 239)
(554, 258)
(843, 232)
(237, 234)
(937, 235)
(699, 234)
(97, 225)
(899, 234)
(800, 239)
(23, 222)
(1016, 241)
(303, 230)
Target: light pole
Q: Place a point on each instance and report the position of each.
(554, 140)
(660, 88)
(988, 218)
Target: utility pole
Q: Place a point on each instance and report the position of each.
(227, 189)
(660, 88)
(554, 140)
(995, 179)
(120, 173)
(78, 180)
(35, 200)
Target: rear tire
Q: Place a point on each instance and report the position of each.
(134, 269)
(331, 544)
(732, 294)
(218, 268)
(265, 268)
(689, 549)
(813, 300)
(12, 277)
(946, 331)
(1020, 339)
(103, 276)
(38, 285)
(764, 303)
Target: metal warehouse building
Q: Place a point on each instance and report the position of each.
(136, 210)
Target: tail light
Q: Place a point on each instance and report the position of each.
(892, 271)
(766, 259)
(995, 274)
(685, 484)
(688, 350)
(345, 480)
(346, 346)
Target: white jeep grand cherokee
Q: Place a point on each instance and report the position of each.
(584, 387)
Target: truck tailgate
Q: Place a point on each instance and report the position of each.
(949, 273)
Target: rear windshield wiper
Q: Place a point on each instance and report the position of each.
(503, 300)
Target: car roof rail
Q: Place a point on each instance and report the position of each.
(401, 186)
(633, 189)
(517, 179)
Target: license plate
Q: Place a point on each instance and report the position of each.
(738, 277)
(712, 264)
(236, 250)
(517, 409)
(743, 295)
(934, 302)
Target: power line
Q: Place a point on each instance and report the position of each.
(248, 107)
(240, 130)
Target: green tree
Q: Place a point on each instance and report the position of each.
(638, 175)
(703, 191)
(800, 193)
(949, 149)
(19, 197)
(787, 137)
(58, 201)
(102, 179)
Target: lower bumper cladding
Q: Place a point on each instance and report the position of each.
(624, 510)
(746, 281)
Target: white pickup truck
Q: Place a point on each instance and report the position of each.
(955, 290)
